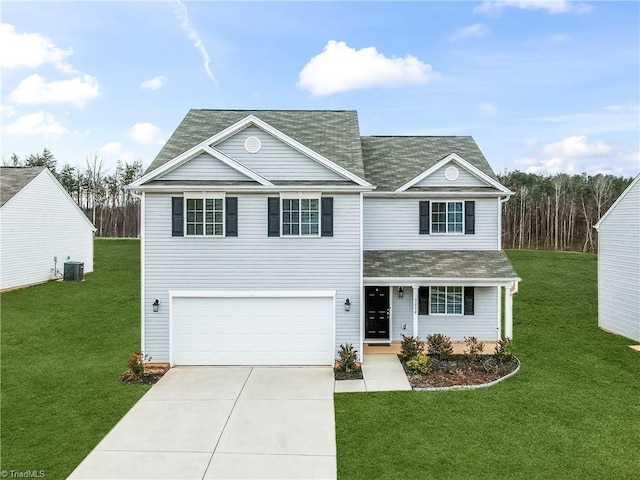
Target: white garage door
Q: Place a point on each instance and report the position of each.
(252, 330)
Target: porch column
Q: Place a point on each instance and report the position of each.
(508, 312)
(414, 289)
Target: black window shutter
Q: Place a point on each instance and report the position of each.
(469, 217)
(424, 218)
(273, 216)
(327, 217)
(231, 215)
(177, 216)
(469, 300)
(423, 301)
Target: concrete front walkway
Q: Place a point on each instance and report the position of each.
(224, 422)
(382, 372)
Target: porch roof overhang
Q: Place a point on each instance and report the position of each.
(433, 267)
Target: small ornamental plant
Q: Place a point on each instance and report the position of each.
(411, 347)
(503, 349)
(474, 347)
(421, 363)
(439, 346)
(347, 357)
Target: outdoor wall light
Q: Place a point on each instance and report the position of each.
(400, 292)
(156, 305)
(347, 305)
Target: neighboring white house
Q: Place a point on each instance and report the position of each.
(619, 265)
(41, 228)
(273, 237)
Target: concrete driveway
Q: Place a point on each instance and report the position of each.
(224, 422)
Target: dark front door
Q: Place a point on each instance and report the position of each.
(377, 308)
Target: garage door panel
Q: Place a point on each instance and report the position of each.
(252, 331)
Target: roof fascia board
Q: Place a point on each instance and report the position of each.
(426, 193)
(246, 188)
(441, 281)
(618, 200)
(457, 158)
(237, 166)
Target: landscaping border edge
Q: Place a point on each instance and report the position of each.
(470, 387)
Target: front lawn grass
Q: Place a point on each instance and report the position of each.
(573, 410)
(63, 348)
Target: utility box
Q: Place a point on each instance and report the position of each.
(73, 271)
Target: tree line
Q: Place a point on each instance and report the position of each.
(546, 212)
(101, 195)
(556, 212)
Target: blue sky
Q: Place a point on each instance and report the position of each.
(544, 87)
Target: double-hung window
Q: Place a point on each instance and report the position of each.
(301, 216)
(446, 217)
(204, 216)
(446, 300)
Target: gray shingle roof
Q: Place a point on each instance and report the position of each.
(390, 162)
(437, 264)
(333, 134)
(14, 179)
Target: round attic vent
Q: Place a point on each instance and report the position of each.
(451, 173)
(252, 144)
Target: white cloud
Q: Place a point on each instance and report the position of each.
(183, 17)
(571, 155)
(551, 6)
(340, 68)
(113, 151)
(39, 123)
(30, 50)
(7, 111)
(487, 108)
(145, 133)
(576, 146)
(154, 83)
(476, 30)
(76, 91)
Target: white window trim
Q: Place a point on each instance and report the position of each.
(301, 196)
(446, 202)
(205, 196)
(446, 287)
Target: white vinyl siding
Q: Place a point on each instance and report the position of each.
(619, 267)
(401, 313)
(39, 223)
(204, 167)
(250, 261)
(275, 160)
(437, 178)
(481, 324)
(393, 224)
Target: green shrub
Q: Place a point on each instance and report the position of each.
(439, 345)
(135, 363)
(474, 346)
(347, 356)
(411, 347)
(503, 349)
(421, 363)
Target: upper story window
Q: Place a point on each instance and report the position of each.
(456, 217)
(301, 217)
(204, 216)
(446, 217)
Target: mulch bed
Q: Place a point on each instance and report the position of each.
(462, 370)
(150, 376)
(352, 375)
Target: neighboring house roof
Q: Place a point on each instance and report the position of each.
(437, 264)
(334, 134)
(14, 179)
(392, 161)
(622, 195)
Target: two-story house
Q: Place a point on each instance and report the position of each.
(273, 237)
